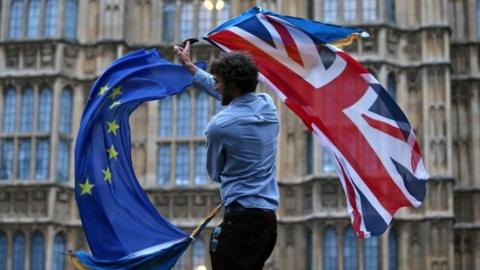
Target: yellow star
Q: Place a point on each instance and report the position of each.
(112, 127)
(115, 104)
(116, 92)
(107, 175)
(86, 188)
(103, 89)
(112, 153)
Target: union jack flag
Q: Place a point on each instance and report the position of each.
(377, 156)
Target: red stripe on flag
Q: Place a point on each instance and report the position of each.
(288, 42)
(385, 127)
(357, 217)
(416, 156)
(324, 107)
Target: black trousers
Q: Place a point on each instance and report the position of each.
(243, 241)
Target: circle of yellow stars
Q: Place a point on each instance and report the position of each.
(112, 127)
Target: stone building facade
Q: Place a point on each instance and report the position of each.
(425, 52)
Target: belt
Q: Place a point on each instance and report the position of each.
(236, 208)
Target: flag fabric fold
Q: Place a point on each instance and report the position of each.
(377, 156)
(122, 227)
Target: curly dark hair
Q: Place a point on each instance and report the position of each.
(236, 69)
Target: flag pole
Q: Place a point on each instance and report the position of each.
(209, 217)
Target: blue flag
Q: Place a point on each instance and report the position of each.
(123, 228)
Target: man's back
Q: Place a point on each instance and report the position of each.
(241, 149)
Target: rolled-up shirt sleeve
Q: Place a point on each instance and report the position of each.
(204, 81)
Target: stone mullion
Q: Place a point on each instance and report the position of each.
(4, 19)
(475, 136)
(14, 134)
(196, 10)
(41, 19)
(54, 134)
(77, 99)
(191, 144)
(28, 247)
(151, 145)
(177, 25)
(173, 149)
(320, 230)
(340, 247)
(60, 15)
(2, 106)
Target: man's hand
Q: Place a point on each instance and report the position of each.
(183, 55)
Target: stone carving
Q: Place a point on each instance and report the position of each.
(180, 204)
(12, 55)
(5, 202)
(329, 195)
(290, 201)
(307, 199)
(90, 60)
(412, 48)
(392, 42)
(47, 56)
(20, 206)
(369, 44)
(70, 56)
(39, 205)
(30, 57)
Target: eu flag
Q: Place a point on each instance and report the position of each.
(122, 227)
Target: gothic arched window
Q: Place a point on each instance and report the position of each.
(165, 114)
(45, 110)
(330, 249)
(330, 9)
(33, 18)
(26, 122)
(16, 19)
(182, 164)
(18, 260)
(309, 250)
(204, 20)
(350, 10)
(309, 157)
(70, 19)
(9, 110)
(369, 10)
(37, 252)
(198, 254)
(370, 253)
(183, 114)
(3, 250)
(186, 21)
(24, 157)
(50, 21)
(163, 164)
(169, 11)
(66, 104)
(201, 116)
(392, 250)
(478, 18)
(350, 249)
(63, 160)
(58, 252)
(42, 159)
(390, 11)
(6, 163)
(200, 164)
(392, 85)
(328, 161)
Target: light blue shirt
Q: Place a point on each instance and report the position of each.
(241, 147)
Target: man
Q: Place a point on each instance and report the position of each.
(241, 149)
